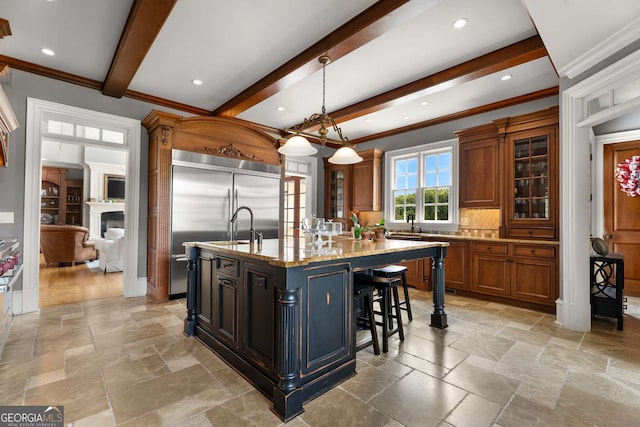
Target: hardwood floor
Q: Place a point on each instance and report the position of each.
(82, 282)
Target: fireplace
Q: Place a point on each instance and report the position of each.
(111, 220)
(96, 209)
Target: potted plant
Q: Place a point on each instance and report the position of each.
(380, 230)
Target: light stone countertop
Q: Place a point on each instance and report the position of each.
(291, 252)
(471, 237)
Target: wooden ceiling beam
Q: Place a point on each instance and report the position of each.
(145, 21)
(493, 62)
(373, 22)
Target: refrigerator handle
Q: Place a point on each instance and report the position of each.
(230, 233)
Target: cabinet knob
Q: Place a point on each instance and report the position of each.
(533, 251)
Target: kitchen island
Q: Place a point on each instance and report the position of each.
(283, 317)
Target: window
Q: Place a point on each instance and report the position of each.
(57, 127)
(422, 187)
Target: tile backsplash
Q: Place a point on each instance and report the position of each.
(479, 221)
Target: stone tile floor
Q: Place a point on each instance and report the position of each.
(124, 361)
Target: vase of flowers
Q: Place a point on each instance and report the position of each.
(357, 229)
(628, 175)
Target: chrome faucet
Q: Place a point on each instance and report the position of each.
(252, 232)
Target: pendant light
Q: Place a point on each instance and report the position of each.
(300, 146)
(297, 145)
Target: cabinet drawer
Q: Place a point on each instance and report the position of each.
(533, 233)
(494, 248)
(229, 266)
(535, 251)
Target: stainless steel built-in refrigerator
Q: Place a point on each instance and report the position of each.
(205, 192)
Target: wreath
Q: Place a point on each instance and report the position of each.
(628, 175)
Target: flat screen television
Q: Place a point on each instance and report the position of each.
(114, 187)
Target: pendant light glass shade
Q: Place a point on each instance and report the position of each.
(297, 146)
(345, 156)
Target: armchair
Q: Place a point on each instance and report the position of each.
(66, 244)
(111, 250)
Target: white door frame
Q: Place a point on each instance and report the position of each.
(573, 306)
(26, 300)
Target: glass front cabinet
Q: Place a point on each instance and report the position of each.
(531, 198)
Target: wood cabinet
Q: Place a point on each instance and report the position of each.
(52, 196)
(455, 265)
(337, 186)
(531, 190)
(519, 271)
(73, 201)
(353, 187)
(215, 136)
(61, 199)
(367, 181)
(501, 270)
(479, 176)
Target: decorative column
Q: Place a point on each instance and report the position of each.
(190, 320)
(439, 317)
(287, 397)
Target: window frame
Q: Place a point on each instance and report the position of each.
(421, 151)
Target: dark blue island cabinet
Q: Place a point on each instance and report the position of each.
(283, 317)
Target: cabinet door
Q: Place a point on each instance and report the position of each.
(259, 317)
(489, 274)
(327, 298)
(337, 191)
(225, 296)
(534, 280)
(204, 292)
(415, 273)
(532, 183)
(456, 265)
(367, 181)
(479, 179)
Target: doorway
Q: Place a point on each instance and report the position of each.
(40, 112)
(621, 220)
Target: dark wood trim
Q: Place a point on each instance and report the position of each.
(533, 96)
(5, 28)
(145, 21)
(493, 62)
(30, 67)
(373, 22)
(165, 103)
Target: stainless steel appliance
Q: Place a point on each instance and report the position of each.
(205, 192)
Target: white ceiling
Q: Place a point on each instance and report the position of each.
(230, 45)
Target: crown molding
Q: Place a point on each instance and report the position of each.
(601, 51)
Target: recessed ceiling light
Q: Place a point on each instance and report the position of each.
(406, 117)
(506, 77)
(367, 120)
(459, 23)
(196, 82)
(280, 108)
(424, 103)
(48, 52)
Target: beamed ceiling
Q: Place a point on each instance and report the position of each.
(395, 65)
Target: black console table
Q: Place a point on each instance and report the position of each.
(607, 287)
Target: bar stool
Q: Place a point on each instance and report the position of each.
(397, 271)
(387, 288)
(363, 300)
